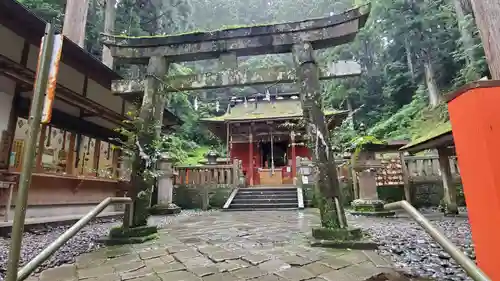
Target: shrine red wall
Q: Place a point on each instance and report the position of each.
(303, 151)
(241, 151)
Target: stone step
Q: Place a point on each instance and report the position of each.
(264, 205)
(261, 201)
(261, 209)
(288, 191)
(277, 190)
(266, 196)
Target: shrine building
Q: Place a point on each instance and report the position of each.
(76, 165)
(267, 136)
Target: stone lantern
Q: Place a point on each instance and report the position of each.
(368, 203)
(165, 184)
(212, 157)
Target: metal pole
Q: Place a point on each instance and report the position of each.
(68, 234)
(39, 90)
(467, 264)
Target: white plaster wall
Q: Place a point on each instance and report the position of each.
(67, 76)
(103, 96)
(32, 61)
(12, 45)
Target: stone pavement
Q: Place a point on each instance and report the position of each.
(226, 246)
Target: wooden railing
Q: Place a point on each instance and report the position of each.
(209, 174)
(426, 168)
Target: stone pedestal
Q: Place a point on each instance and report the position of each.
(368, 203)
(165, 183)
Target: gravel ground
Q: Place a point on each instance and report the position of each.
(401, 240)
(36, 239)
(410, 248)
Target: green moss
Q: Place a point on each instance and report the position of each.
(346, 244)
(218, 197)
(120, 232)
(440, 130)
(337, 233)
(190, 197)
(130, 240)
(328, 213)
(193, 32)
(196, 156)
(391, 193)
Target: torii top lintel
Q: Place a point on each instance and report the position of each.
(245, 41)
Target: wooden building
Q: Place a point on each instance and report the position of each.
(76, 165)
(267, 136)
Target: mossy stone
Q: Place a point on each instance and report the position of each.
(337, 233)
(140, 231)
(110, 241)
(164, 209)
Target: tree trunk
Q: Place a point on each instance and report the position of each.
(488, 22)
(75, 20)
(466, 38)
(109, 28)
(432, 88)
(409, 59)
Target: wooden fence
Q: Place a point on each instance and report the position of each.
(209, 174)
(418, 169)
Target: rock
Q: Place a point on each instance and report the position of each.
(413, 250)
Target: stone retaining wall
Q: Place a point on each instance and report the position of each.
(191, 197)
(425, 194)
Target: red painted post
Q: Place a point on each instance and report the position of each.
(476, 130)
(250, 159)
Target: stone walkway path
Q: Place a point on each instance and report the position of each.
(226, 246)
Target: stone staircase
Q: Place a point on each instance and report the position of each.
(265, 198)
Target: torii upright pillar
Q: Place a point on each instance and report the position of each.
(331, 209)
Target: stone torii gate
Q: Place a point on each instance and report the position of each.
(299, 38)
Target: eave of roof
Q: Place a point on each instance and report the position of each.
(25, 23)
(223, 119)
(441, 136)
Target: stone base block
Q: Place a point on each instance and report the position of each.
(170, 209)
(135, 235)
(341, 238)
(350, 233)
(374, 214)
(370, 207)
(339, 244)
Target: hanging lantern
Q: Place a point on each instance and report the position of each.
(245, 103)
(268, 95)
(217, 106)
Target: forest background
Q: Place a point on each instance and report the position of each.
(412, 53)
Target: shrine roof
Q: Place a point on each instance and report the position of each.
(283, 109)
(441, 136)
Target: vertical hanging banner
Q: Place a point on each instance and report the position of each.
(50, 94)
